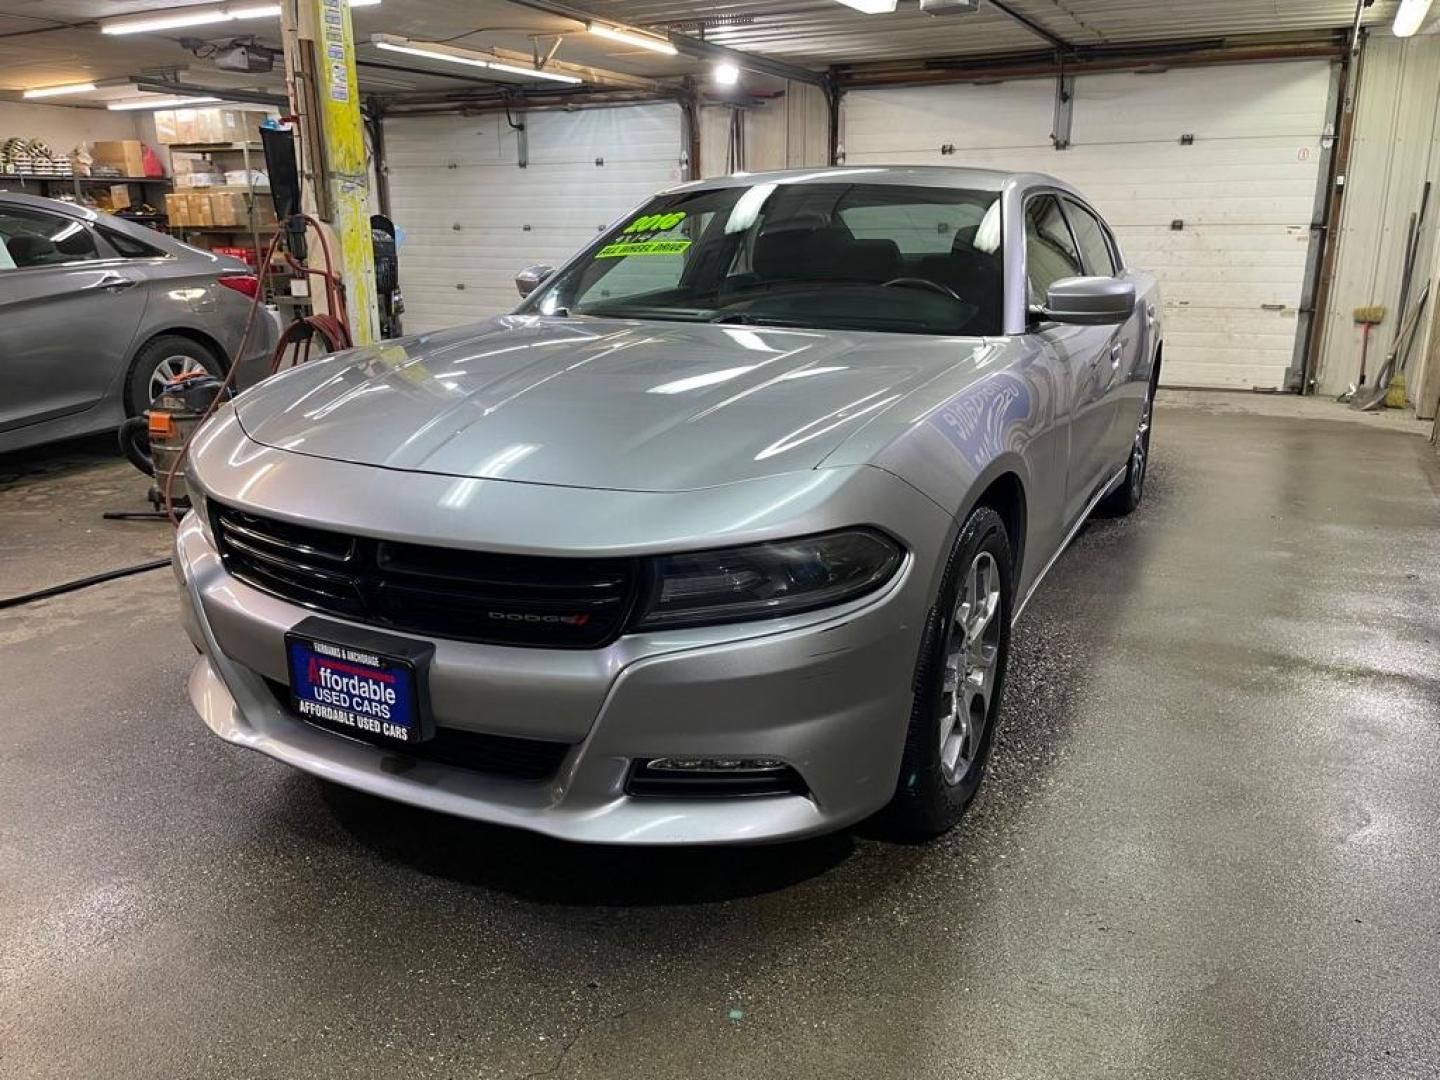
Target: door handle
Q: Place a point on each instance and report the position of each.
(1115, 351)
(115, 283)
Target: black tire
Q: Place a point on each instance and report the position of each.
(931, 796)
(135, 444)
(171, 349)
(1126, 498)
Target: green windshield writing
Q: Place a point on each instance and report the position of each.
(622, 248)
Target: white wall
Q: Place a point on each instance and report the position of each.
(1396, 148)
(61, 127)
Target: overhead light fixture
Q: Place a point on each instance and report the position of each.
(449, 54)
(631, 37)
(196, 16)
(135, 104)
(871, 7)
(56, 91)
(1410, 17)
(364, 3)
(725, 74)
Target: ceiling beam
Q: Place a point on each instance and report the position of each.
(1030, 24)
(690, 46)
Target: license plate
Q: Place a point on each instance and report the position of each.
(358, 682)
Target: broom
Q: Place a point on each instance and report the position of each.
(1366, 317)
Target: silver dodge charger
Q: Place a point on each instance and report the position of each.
(718, 537)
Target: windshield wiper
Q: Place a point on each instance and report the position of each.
(745, 318)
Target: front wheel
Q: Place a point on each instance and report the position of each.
(958, 681)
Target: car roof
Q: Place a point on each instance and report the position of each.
(940, 176)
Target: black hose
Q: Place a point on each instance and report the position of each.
(80, 583)
(135, 448)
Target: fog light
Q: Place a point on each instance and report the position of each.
(715, 764)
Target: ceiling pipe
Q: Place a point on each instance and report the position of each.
(690, 46)
(1034, 27)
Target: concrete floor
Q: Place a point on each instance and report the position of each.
(1208, 846)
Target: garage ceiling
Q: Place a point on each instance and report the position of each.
(46, 42)
(821, 32)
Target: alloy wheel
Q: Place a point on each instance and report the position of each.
(1140, 453)
(170, 369)
(972, 652)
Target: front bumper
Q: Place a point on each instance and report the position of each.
(827, 692)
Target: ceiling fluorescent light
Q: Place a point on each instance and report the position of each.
(451, 55)
(630, 37)
(56, 91)
(364, 3)
(430, 54)
(534, 73)
(136, 104)
(197, 16)
(1410, 17)
(871, 7)
(725, 74)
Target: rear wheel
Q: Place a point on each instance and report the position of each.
(1125, 498)
(959, 681)
(166, 358)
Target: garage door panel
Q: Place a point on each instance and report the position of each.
(432, 142)
(1244, 191)
(471, 217)
(634, 133)
(1237, 102)
(916, 120)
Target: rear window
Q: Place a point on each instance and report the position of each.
(128, 247)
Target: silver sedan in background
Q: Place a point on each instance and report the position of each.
(97, 313)
(718, 538)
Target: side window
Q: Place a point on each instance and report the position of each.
(128, 247)
(1049, 251)
(1091, 235)
(35, 238)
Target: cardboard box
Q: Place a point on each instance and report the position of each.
(127, 155)
(165, 127)
(229, 208)
(177, 209)
(119, 196)
(199, 211)
(185, 125)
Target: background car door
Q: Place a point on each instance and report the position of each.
(69, 310)
(1121, 371)
(1051, 254)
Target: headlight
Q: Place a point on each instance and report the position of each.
(766, 580)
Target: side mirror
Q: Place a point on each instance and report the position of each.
(1090, 301)
(529, 279)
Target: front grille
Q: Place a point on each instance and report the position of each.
(645, 782)
(499, 755)
(558, 603)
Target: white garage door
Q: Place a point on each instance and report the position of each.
(471, 216)
(1223, 221)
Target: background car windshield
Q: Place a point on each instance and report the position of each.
(846, 256)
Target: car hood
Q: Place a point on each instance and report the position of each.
(639, 406)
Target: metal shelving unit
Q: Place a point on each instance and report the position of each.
(250, 154)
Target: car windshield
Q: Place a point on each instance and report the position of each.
(922, 260)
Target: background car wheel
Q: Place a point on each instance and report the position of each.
(959, 681)
(1127, 496)
(161, 360)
